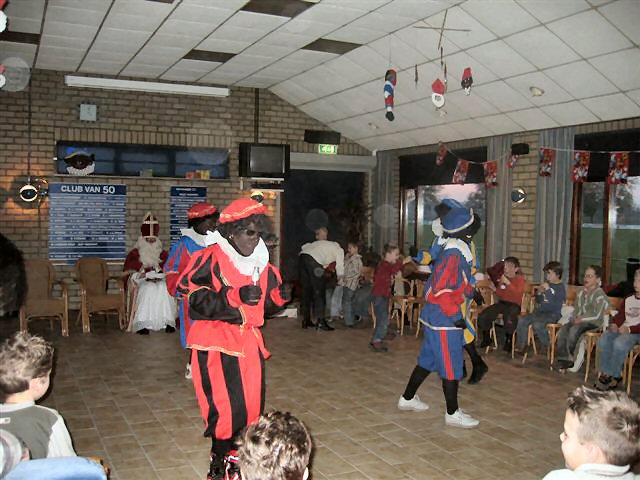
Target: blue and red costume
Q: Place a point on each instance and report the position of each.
(447, 290)
(178, 259)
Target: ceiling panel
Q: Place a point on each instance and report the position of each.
(499, 124)
(532, 119)
(611, 107)
(542, 48)
(501, 59)
(492, 15)
(553, 93)
(622, 68)
(571, 113)
(502, 96)
(581, 80)
(624, 14)
(25, 15)
(589, 34)
(549, 10)
(459, 19)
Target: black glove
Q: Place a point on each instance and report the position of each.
(478, 298)
(285, 292)
(460, 323)
(250, 294)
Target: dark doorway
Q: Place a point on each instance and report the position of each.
(312, 199)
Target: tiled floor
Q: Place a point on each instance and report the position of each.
(125, 399)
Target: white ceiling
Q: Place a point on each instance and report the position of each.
(583, 53)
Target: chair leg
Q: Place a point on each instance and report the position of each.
(86, 328)
(65, 323)
(531, 339)
(513, 345)
(23, 320)
(588, 348)
(403, 311)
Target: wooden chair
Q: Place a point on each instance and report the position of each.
(93, 276)
(40, 301)
(399, 304)
(554, 328)
(484, 287)
(627, 372)
(592, 337)
(526, 307)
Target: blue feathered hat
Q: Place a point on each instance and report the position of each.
(451, 203)
(457, 219)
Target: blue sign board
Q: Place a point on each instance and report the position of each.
(87, 220)
(181, 198)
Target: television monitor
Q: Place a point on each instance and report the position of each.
(264, 160)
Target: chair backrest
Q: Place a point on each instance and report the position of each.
(528, 298)
(572, 293)
(93, 273)
(614, 303)
(483, 286)
(40, 278)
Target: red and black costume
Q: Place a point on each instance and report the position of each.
(228, 351)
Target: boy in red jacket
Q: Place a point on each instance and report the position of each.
(509, 289)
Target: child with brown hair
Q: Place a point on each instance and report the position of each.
(25, 367)
(276, 447)
(390, 264)
(601, 437)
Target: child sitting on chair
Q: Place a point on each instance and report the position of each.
(601, 437)
(276, 447)
(549, 297)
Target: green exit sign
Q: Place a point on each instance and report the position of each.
(327, 149)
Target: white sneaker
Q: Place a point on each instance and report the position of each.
(461, 419)
(187, 372)
(414, 404)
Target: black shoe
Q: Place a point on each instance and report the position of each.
(507, 345)
(307, 323)
(169, 329)
(486, 341)
(478, 372)
(323, 325)
(143, 331)
(378, 347)
(564, 364)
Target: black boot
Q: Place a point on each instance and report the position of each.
(507, 344)
(307, 323)
(479, 371)
(486, 340)
(464, 369)
(323, 325)
(216, 467)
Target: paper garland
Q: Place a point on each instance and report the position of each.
(618, 167)
(581, 160)
(547, 156)
(491, 174)
(460, 173)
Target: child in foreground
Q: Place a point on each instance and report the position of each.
(601, 437)
(25, 367)
(276, 447)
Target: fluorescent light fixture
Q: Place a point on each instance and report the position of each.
(140, 86)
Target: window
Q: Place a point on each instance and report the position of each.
(419, 213)
(157, 160)
(606, 218)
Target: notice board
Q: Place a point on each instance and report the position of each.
(87, 220)
(180, 199)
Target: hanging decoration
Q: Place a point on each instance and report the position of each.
(581, 160)
(415, 75)
(3, 79)
(618, 167)
(547, 156)
(3, 16)
(441, 154)
(389, 86)
(491, 174)
(467, 81)
(513, 159)
(437, 97)
(460, 173)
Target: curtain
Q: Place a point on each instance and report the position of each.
(385, 212)
(553, 203)
(498, 221)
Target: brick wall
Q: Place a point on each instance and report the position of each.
(135, 118)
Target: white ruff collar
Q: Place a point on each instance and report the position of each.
(245, 265)
(456, 243)
(193, 235)
(88, 170)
